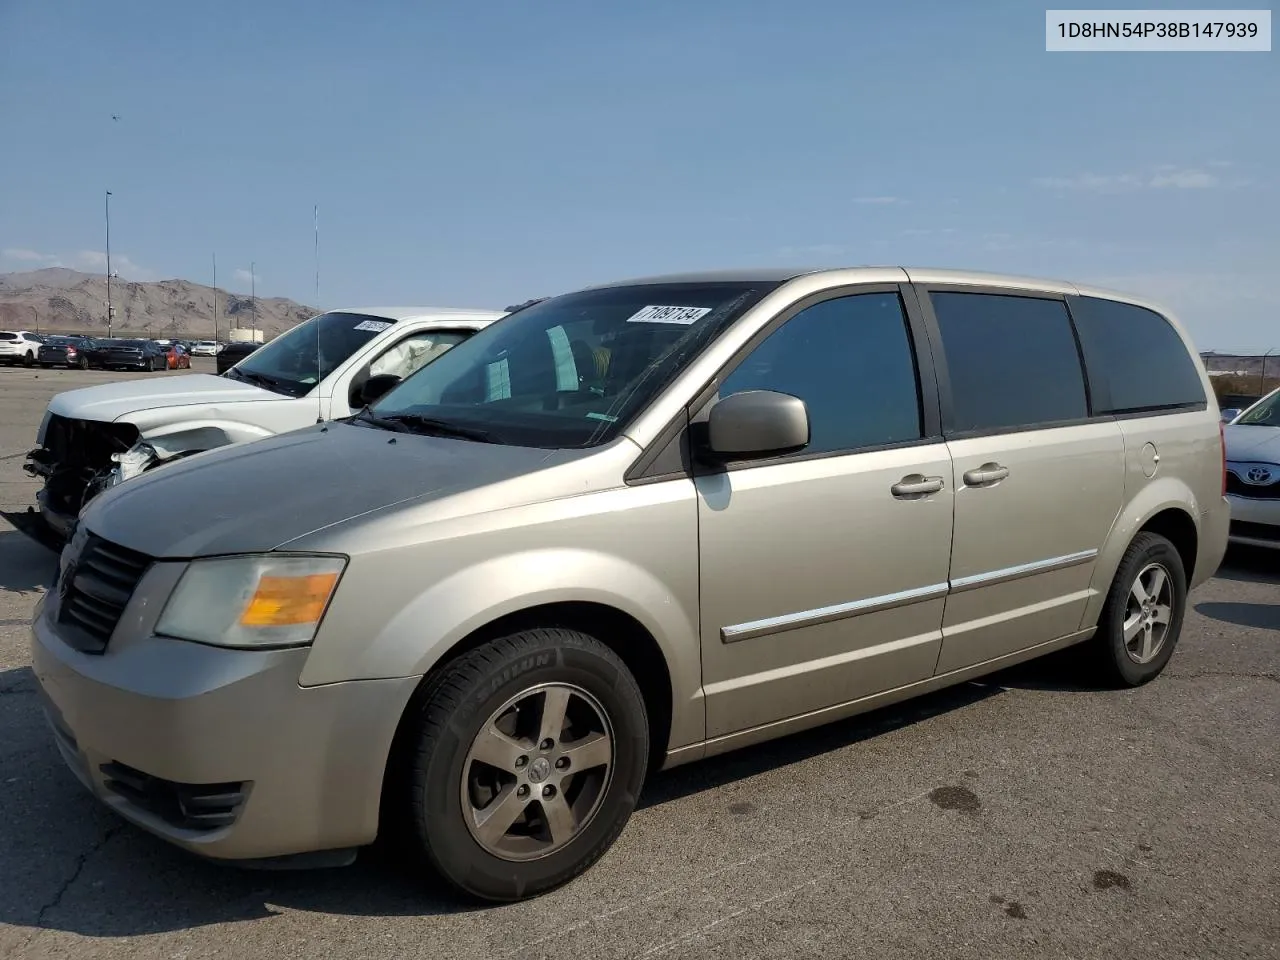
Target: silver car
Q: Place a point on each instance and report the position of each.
(1253, 473)
(623, 529)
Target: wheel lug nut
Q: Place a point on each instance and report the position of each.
(522, 790)
(521, 761)
(548, 743)
(562, 763)
(548, 791)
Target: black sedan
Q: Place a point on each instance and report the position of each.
(65, 352)
(232, 353)
(131, 355)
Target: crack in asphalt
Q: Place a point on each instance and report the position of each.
(1273, 677)
(81, 860)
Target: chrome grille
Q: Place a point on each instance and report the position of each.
(1254, 491)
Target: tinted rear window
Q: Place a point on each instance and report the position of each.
(1136, 360)
(1012, 361)
(8, 336)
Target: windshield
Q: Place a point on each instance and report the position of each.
(1265, 413)
(570, 371)
(296, 361)
(129, 343)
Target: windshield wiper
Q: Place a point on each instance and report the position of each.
(262, 380)
(419, 423)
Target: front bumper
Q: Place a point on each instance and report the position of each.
(218, 751)
(1255, 522)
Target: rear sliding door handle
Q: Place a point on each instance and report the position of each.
(985, 475)
(915, 486)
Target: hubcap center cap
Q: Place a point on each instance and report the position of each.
(539, 770)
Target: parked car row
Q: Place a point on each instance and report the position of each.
(467, 577)
(24, 348)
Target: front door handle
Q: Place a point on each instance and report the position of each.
(916, 486)
(985, 475)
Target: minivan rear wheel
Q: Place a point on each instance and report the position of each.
(525, 761)
(1143, 615)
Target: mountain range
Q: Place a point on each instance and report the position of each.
(60, 300)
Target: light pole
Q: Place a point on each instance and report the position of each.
(215, 298)
(253, 301)
(110, 310)
(1262, 377)
(35, 317)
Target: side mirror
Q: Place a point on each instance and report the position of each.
(376, 387)
(1229, 414)
(757, 423)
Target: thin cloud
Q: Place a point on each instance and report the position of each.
(121, 265)
(1164, 177)
(879, 199)
(88, 261)
(29, 256)
(928, 231)
(244, 276)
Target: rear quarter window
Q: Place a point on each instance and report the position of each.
(1135, 359)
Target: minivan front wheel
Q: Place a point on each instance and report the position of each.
(526, 762)
(1144, 612)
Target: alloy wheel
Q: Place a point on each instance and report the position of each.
(1148, 613)
(537, 771)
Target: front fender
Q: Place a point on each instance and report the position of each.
(1161, 494)
(425, 629)
(170, 439)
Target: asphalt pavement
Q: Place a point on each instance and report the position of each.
(1025, 816)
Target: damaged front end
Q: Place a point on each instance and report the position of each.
(78, 459)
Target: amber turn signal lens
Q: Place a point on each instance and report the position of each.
(288, 601)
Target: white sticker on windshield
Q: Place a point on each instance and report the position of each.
(681, 315)
(376, 326)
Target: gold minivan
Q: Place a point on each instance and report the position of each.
(621, 529)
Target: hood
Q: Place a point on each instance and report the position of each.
(111, 401)
(254, 497)
(1248, 444)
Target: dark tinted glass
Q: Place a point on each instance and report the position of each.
(297, 360)
(1012, 361)
(1136, 359)
(573, 370)
(850, 361)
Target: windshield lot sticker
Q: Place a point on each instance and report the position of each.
(602, 416)
(681, 315)
(376, 326)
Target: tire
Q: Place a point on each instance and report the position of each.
(84, 363)
(29, 360)
(1147, 653)
(466, 698)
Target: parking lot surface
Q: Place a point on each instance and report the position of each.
(1028, 815)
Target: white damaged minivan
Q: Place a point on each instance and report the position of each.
(327, 367)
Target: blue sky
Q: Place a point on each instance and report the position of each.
(478, 154)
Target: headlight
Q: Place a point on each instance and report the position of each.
(252, 602)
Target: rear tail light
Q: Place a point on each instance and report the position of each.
(1222, 440)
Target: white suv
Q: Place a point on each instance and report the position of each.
(19, 347)
(326, 368)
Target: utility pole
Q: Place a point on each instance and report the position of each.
(215, 298)
(110, 310)
(36, 317)
(1262, 378)
(253, 300)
